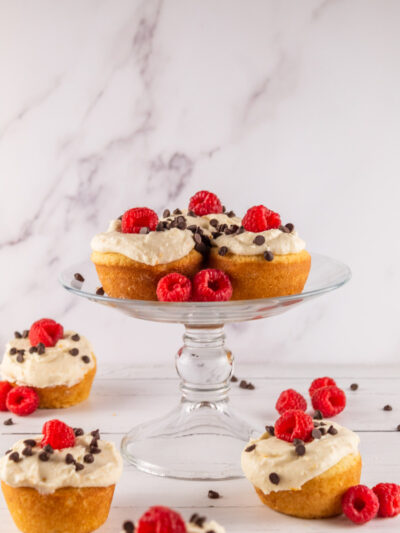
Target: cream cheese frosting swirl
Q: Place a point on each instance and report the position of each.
(58, 472)
(58, 365)
(273, 455)
(273, 240)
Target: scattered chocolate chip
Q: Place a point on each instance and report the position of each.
(27, 451)
(274, 478)
(75, 337)
(14, 457)
(8, 422)
(223, 250)
(316, 434)
(79, 277)
(13, 351)
(332, 430)
(300, 450)
(285, 229)
(250, 386)
(17, 335)
(33, 349)
(41, 348)
(79, 466)
(43, 456)
(270, 430)
(166, 213)
(88, 458)
(20, 358)
(290, 226)
(259, 240)
(74, 351)
(30, 442)
(388, 408)
(317, 415)
(69, 459)
(246, 385)
(128, 526)
(48, 449)
(398, 427)
(234, 379)
(85, 359)
(250, 448)
(100, 291)
(78, 432)
(213, 495)
(354, 386)
(268, 256)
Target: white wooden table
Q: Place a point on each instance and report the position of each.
(124, 397)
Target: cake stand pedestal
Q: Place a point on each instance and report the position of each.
(202, 437)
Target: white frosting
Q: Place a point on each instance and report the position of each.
(276, 241)
(154, 248)
(204, 221)
(207, 526)
(48, 476)
(56, 366)
(274, 455)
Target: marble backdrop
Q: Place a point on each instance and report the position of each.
(109, 104)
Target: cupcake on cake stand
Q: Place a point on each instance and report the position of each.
(202, 437)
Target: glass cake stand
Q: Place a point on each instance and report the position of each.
(202, 437)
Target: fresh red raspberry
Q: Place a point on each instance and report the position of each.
(160, 519)
(329, 400)
(260, 218)
(5, 388)
(22, 401)
(290, 399)
(58, 435)
(138, 217)
(294, 424)
(360, 504)
(319, 383)
(211, 285)
(205, 203)
(174, 287)
(389, 499)
(47, 331)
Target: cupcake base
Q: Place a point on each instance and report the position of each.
(321, 496)
(62, 396)
(67, 510)
(122, 277)
(254, 277)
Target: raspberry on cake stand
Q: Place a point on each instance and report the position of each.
(202, 437)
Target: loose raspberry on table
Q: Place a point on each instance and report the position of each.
(5, 388)
(22, 401)
(294, 424)
(360, 504)
(260, 218)
(137, 218)
(389, 499)
(174, 287)
(319, 383)
(329, 400)
(211, 285)
(290, 399)
(46, 331)
(205, 203)
(58, 435)
(160, 519)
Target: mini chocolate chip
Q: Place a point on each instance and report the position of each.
(128, 526)
(388, 408)
(74, 351)
(14, 457)
(30, 442)
(332, 430)
(322, 431)
(354, 386)
(200, 521)
(268, 256)
(223, 209)
(290, 226)
(79, 277)
(317, 415)
(177, 212)
(17, 335)
(192, 228)
(300, 450)
(78, 432)
(222, 227)
(259, 240)
(250, 386)
(316, 434)
(274, 478)
(85, 359)
(100, 291)
(201, 248)
(8, 422)
(7, 452)
(216, 234)
(25, 333)
(214, 222)
(193, 518)
(48, 449)
(33, 349)
(234, 379)
(69, 459)
(95, 433)
(213, 495)
(270, 430)
(284, 229)
(21, 352)
(250, 448)
(223, 250)
(398, 427)
(41, 348)
(94, 449)
(13, 351)
(230, 214)
(20, 358)
(79, 466)
(191, 213)
(166, 213)
(75, 337)
(27, 451)
(297, 441)
(88, 458)
(43, 456)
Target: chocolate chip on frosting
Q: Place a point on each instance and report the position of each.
(250, 448)
(300, 450)
(317, 415)
(289, 226)
(332, 430)
(25, 334)
(41, 348)
(88, 458)
(69, 459)
(95, 433)
(274, 478)
(43, 456)
(14, 456)
(33, 349)
(259, 240)
(214, 222)
(270, 430)
(85, 359)
(223, 250)
(27, 451)
(166, 213)
(30, 442)
(79, 466)
(74, 351)
(79, 277)
(75, 337)
(48, 449)
(78, 432)
(17, 335)
(284, 229)
(8, 422)
(268, 256)
(230, 214)
(13, 351)
(177, 212)
(20, 358)
(316, 433)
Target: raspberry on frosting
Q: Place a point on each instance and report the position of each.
(205, 203)
(290, 399)
(211, 285)
(329, 400)
(174, 287)
(58, 435)
(46, 331)
(160, 519)
(360, 504)
(22, 401)
(137, 219)
(260, 218)
(294, 424)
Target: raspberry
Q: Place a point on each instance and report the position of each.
(319, 383)
(160, 519)
(47, 331)
(290, 399)
(260, 218)
(389, 499)
(360, 504)
(22, 401)
(5, 388)
(211, 285)
(205, 203)
(329, 400)
(174, 287)
(294, 424)
(138, 217)
(58, 435)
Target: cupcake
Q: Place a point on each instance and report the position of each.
(304, 478)
(262, 257)
(138, 250)
(62, 481)
(60, 366)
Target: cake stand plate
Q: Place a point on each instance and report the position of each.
(202, 437)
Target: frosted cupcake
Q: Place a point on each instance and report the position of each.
(62, 481)
(60, 366)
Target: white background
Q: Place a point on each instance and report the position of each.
(111, 104)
